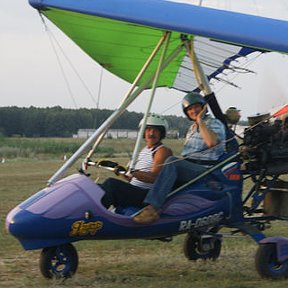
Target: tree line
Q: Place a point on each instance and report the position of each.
(60, 122)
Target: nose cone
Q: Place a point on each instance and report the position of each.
(34, 231)
(10, 218)
(19, 223)
(45, 219)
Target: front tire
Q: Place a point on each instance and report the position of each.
(58, 262)
(267, 264)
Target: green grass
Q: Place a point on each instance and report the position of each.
(129, 263)
(46, 148)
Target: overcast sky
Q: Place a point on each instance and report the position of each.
(30, 73)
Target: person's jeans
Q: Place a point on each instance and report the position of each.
(120, 193)
(174, 169)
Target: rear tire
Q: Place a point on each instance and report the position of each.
(267, 264)
(192, 249)
(58, 262)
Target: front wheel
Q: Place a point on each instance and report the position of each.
(267, 264)
(58, 262)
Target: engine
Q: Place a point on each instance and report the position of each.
(265, 144)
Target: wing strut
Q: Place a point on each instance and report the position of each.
(203, 83)
(198, 71)
(128, 99)
(128, 94)
(155, 81)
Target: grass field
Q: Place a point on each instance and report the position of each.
(130, 263)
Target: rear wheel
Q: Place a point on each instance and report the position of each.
(58, 262)
(208, 247)
(267, 263)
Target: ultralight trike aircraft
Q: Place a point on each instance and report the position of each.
(154, 43)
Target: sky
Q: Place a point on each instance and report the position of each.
(31, 75)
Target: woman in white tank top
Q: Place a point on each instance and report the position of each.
(149, 164)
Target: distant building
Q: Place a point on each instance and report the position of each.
(84, 133)
(120, 133)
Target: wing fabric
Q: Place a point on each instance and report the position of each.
(214, 57)
(120, 47)
(120, 35)
(226, 26)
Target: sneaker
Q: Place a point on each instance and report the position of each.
(147, 216)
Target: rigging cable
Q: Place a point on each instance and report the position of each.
(51, 35)
(75, 71)
(58, 60)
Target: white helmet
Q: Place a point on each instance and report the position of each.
(158, 121)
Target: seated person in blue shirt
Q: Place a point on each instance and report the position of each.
(204, 145)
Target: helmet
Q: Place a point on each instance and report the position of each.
(232, 115)
(191, 99)
(158, 121)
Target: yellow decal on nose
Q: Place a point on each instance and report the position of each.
(80, 228)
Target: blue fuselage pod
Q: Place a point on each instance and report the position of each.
(71, 210)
